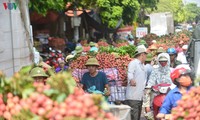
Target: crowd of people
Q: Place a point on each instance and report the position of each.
(150, 66)
(147, 70)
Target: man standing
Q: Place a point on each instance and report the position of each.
(136, 82)
(94, 78)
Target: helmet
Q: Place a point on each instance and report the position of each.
(171, 51)
(149, 57)
(178, 72)
(92, 61)
(38, 72)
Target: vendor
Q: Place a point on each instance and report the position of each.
(93, 47)
(62, 67)
(39, 75)
(78, 51)
(94, 78)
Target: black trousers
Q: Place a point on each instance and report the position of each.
(136, 108)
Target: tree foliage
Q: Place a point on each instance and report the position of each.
(111, 11)
(173, 6)
(152, 4)
(145, 5)
(192, 12)
(180, 12)
(42, 6)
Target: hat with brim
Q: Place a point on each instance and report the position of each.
(79, 49)
(143, 42)
(161, 50)
(153, 47)
(92, 44)
(92, 62)
(163, 59)
(141, 49)
(38, 72)
(149, 57)
(69, 57)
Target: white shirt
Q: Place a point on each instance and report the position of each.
(137, 72)
(181, 57)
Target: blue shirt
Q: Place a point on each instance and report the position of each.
(100, 80)
(171, 100)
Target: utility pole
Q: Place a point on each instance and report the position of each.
(76, 23)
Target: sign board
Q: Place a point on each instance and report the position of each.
(141, 32)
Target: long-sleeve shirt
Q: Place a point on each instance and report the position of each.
(137, 72)
(182, 57)
(171, 100)
(161, 74)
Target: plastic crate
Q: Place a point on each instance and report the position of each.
(117, 92)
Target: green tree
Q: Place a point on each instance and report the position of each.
(42, 6)
(111, 11)
(192, 12)
(146, 5)
(175, 7)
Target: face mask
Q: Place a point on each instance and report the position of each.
(185, 81)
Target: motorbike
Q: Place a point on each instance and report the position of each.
(53, 57)
(161, 90)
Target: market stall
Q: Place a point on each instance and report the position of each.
(57, 100)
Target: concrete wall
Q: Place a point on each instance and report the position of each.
(14, 50)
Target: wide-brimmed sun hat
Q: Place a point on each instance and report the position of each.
(149, 57)
(92, 61)
(162, 59)
(92, 44)
(78, 49)
(141, 49)
(161, 50)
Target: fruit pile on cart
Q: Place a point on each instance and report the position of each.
(59, 99)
